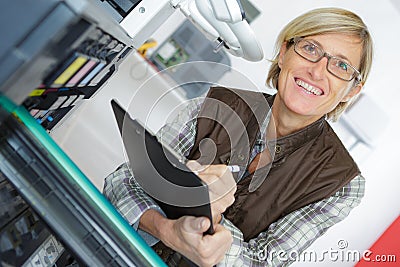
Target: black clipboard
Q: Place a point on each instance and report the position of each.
(160, 172)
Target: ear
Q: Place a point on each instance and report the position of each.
(282, 53)
(353, 91)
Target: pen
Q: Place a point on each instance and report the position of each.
(233, 168)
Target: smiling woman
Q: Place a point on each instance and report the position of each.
(328, 21)
(299, 77)
(307, 179)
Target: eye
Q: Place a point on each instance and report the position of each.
(309, 48)
(343, 66)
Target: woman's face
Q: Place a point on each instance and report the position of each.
(307, 88)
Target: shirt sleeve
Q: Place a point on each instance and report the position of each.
(121, 187)
(122, 190)
(181, 132)
(292, 234)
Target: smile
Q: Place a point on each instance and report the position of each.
(309, 88)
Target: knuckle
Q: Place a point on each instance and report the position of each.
(204, 254)
(202, 249)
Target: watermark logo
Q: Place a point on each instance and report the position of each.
(342, 244)
(341, 253)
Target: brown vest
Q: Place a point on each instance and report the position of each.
(308, 166)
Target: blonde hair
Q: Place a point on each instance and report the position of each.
(322, 21)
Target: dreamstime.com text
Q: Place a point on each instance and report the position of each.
(339, 254)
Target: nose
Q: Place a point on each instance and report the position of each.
(317, 70)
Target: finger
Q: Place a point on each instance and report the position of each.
(213, 247)
(218, 170)
(209, 179)
(195, 167)
(217, 181)
(195, 224)
(204, 225)
(222, 188)
(222, 172)
(220, 204)
(217, 219)
(221, 236)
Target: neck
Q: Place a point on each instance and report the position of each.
(285, 121)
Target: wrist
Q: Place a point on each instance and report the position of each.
(153, 223)
(164, 229)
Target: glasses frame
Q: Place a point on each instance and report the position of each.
(356, 75)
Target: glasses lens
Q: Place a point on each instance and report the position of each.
(308, 50)
(340, 68)
(336, 66)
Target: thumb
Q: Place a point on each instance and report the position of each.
(196, 224)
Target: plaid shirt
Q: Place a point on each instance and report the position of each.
(288, 236)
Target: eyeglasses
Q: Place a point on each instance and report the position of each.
(336, 66)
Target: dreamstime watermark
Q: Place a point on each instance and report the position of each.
(339, 254)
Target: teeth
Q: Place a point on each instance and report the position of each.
(309, 87)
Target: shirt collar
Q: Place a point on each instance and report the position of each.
(287, 144)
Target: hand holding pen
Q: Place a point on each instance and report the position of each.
(221, 185)
(200, 168)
